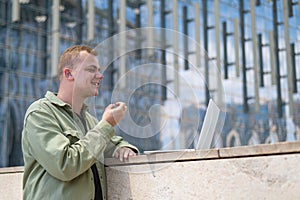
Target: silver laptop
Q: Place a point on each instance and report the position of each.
(207, 130)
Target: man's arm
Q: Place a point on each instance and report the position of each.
(121, 149)
(45, 141)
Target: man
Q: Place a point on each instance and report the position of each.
(63, 145)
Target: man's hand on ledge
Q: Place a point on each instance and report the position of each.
(124, 153)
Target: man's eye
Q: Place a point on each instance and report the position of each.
(91, 70)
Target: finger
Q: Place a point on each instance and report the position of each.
(110, 106)
(117, 154)
(126, 153)
(132, 153)
(121, 156)
(120, 104)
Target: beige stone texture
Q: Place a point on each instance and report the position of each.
(11, 183)
(256, 172)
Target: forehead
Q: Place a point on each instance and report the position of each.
(87, 59)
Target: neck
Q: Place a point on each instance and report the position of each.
(67, 96)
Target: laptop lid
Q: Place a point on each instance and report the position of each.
(207, 131)
(209, 126)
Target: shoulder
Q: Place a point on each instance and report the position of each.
(38, 105)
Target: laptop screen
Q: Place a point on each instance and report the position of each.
(209, 126)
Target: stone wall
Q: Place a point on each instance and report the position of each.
(257, 172)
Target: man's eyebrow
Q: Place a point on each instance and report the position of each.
(94, 67)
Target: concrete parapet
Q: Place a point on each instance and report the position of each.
(251, 172)
(11, 183)
(256, 172)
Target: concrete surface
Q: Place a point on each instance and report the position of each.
(256, 172)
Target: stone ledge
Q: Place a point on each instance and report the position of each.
(232, 152)
(8, 170)
(169, 156)
(226, 173)
(261, 150)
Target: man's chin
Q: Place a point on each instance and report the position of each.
(96, 93)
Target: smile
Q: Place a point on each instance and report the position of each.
(96, 84)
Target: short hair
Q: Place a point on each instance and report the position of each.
(71, 55)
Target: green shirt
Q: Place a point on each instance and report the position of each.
(58, 154)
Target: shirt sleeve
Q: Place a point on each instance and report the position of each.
(117, 142)
(61, 156)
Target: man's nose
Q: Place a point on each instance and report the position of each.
(99, 75)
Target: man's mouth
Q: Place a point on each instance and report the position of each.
(96, 83)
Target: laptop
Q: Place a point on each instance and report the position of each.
(207, 131)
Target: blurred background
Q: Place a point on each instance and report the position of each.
(254, 44)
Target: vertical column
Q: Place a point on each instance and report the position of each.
(122, 28)
(244, 68)
(225, 50)
(276, 57)
(218, 53)
(236, 47)
(288, 57)
(294, 71)
(205, 38)
(55, 37)
(163, 52)
(90, 20)
(272, 58)
(15, 11)
(254, 48)
(111, 32)
(78, 28)
(138, 40)
(260, 60)
(150, 38)
(197, 33)
(175, 46)
(185, 40)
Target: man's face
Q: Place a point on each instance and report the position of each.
(87, 76)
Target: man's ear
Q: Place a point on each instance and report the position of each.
(68, 74)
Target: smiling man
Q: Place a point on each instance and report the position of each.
(63, 144)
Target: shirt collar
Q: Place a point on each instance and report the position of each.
(52, 97)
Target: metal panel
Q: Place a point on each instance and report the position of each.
(276, 56)
(218, 52)
(260, 60)
(205, 41)
(185, 41)
(122, 28)
(55, 37)
(236, 47)
(163, 51)
(288, 57)
(244, 67)
(91, 20)
(197, 33)
(175, 46)
(225, 59)
(294, 71)
(150, 38)
(15, 15)
(254, 48)
(272, 58)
